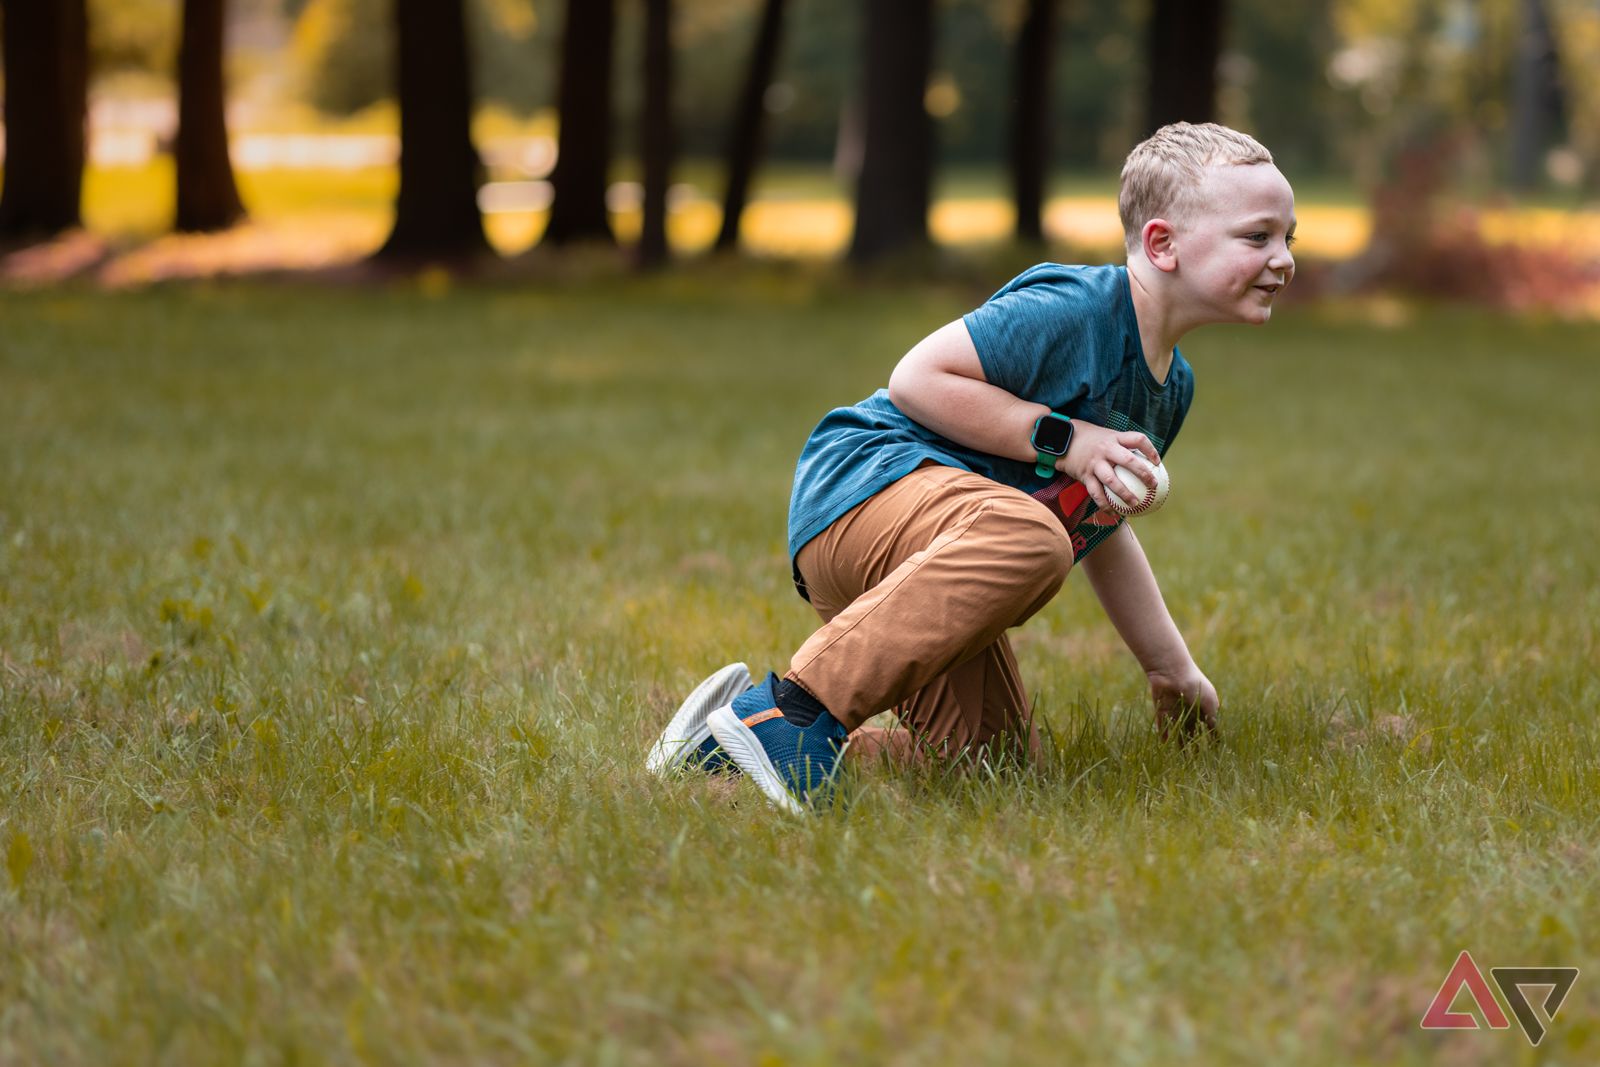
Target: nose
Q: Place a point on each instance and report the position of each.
(1282, 261)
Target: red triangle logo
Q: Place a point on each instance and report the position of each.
(1464, 973)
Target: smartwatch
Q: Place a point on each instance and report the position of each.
(1052, 434)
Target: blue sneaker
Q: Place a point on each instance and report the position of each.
(793, 767)
(709, 756)
(687, 741)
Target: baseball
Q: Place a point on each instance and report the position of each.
(1145, 498)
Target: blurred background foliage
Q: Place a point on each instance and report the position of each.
(1443, 148)
(1329, 84)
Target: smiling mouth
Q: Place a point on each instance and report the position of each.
(1270, 290)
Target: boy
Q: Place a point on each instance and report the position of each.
(934, 515)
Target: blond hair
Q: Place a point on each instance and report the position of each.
(1163, 172)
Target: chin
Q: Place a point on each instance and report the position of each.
(1259, 315)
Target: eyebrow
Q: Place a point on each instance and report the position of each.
(1267, 220)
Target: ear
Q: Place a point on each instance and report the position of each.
(1159, 239)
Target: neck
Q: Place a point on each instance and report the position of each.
(1159, 329)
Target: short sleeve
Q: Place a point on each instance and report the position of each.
(1038, 338)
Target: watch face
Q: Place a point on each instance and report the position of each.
(1052, 435)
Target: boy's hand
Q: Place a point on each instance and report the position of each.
(1095, 452)
(1185, 700)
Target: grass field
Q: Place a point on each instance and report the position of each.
(334, 625)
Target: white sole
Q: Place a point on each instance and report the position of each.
(739, 742)
(687, 730)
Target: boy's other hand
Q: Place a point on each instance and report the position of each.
(1185, 701)
(1096, 452)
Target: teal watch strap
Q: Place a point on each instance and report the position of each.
(1045, 458)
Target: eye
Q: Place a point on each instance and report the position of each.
(1256, 238)
(1290, 240)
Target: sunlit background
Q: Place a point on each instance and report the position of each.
(1500, 93)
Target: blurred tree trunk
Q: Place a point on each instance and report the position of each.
(208, 198)
(45, 50)
(897, 165)
(744, 141)
(1536, 100)
(850, 141)
(583, 151)
(1030, 117)
(436, 212)
(655, 131)
(1185, 42)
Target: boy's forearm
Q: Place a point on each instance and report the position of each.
(1122, 579)
(940, 384)
(973, 414)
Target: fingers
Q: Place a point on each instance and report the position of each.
(1107, 449)
(1189, 717)
(1187, 705)
(1111, 484)
(1188, 722)
(1138, 442)
(1138, 464)
(1138, 455)
(1097, 493)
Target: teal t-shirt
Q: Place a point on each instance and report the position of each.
(1057, 335)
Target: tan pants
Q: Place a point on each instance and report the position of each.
(916, 587)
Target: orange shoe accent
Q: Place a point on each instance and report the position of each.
(763, 716)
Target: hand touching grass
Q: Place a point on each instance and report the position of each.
(1184, 699)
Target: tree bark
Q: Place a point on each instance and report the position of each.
(583, 150)
(1185, 42)
(208, 197)
(745, 136)
(436, 211)
(893, 193)
(1536, 101)
(45, 50)
(1030, 118)
(655, 132)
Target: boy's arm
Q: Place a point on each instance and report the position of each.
(940, 384)
(1122, 579)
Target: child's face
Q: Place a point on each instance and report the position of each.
(1233, 253)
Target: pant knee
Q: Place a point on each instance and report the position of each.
(1039, 539)
(1043, 539)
